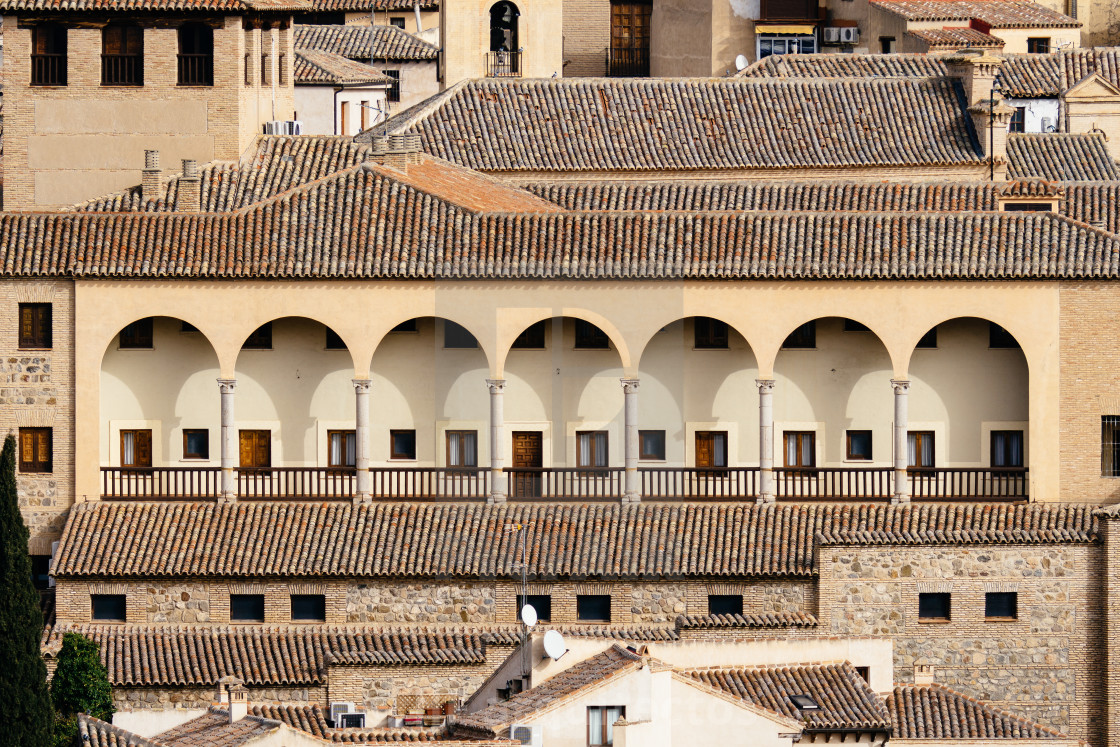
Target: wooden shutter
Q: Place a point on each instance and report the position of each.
(255, 449)
(703, 449)
(27, 446)
(142, 445)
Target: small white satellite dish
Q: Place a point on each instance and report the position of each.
(554, 645)
(529, 615)
(741, 62)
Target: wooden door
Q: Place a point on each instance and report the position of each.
(630, 33)
(255, 449)
(711, 449)
(527, 454)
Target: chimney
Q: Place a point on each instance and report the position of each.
(149, 182)
(991, 120)
(923, 674)
(977, 71)
(224, 684)
(190, 188)
(238, 703)
(395, 151)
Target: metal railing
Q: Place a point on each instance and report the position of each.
(952, 483)
(197, 69)
(428, 483)
(687, 483)
(627, 63)
(177, 483)
(832, 483)
(270, 483)
(564, 483)
(503, 64)
(48, 69)
(122, 70)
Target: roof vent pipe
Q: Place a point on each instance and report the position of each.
(149, 180)
(190, 188)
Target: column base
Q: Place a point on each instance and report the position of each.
(900, 498)
(495, 499)
(361, 499)
(766, 498)
(631, 497)
(227, 498)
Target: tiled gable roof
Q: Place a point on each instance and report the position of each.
(235, 6)
(1032, 75)
(316, 67)
(1004, 14)
(900, 65)
(938, 713)
(692, 125)
(104, 539)
(403, 6)
(213, 729)
(312, 719)
(748, 620)
(1060, 157)
(363, 42)
(956, 38)
(97, 733)
(1078, 64)
(844, 698)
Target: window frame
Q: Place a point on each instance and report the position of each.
(849, 454)
(36, 326)
(1018, 121)
(318, 614)
(606, 735)
(138, 335)
(593, 437)
(800, 437)
(544, 611)
(1110, 445)
(187, 453)
(732, 600)
(650, 456)
(1038, 44)
(53, 36)
(396, 456)
(460, 433)
(588, 336)
(919, 438)
(718, 440)
(710, 334)
(243, 599)
(344, 435)
(38, 464)
(143, 434)
(928, 599)
(393, 93)
(991, 596)
(587, 599)
(186, 60)
(1009, 435)
(131, 38)
(111, 600)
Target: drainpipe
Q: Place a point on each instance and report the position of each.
(419, 23)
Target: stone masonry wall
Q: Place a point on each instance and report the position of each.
(420, 602)
(178, 603)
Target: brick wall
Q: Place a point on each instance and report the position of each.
(587, 34)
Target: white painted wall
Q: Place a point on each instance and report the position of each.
(320, 108)
(1036, 111)
(314, 107)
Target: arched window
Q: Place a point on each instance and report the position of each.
(196, 55)
(505, 55)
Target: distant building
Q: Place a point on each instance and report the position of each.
(337, 96)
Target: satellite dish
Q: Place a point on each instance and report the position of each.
(529, 615)
(741, 62)
(554, 645)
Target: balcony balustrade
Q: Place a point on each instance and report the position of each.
(503, 64)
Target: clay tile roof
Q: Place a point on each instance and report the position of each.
(403, 6)
(120, 539)
(682, 125)
(1060, 157)
(936, 712)
(213, 729)
(956, 38)
(844, 698)
(96, 733)
(748, 620)
(389, 43)
(594, 670)
(1032, 75)
(200, 655)
(63, 6)
(1095, 203)
(998, 14)
(846, 66)
(1030, 188)
(316, 67)
(312, 719)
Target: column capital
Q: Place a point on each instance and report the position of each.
(496, 386)
(227, 385)
(765, 386)
(630, 386)
(361, 386)
(901, 386)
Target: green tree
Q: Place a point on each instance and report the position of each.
(25, 707)
(81, 684)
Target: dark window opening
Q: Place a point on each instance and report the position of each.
(1038, 45)
(48, 55)
(1110, 446)
(402, 444)
(311, 607)
(394, 91)
(137, 335)
(1023, 207)
(865, 673)
(108, 607)
(709, 334)
(397, 21)
(1001, 605)
(886, 44)
(1018, 120)
(804, 337)
(651, 445)
(998, 337)
(196, 443)
(804, 702)
(590, 337)
(725, 604)
(35, 450)
(246, 607)
(456, 337)
(532, 338)
(122, 56)
(934, 606)
(41, 571)
(334, 342)
(858, 446)
(929, 339)
(35, 326)
(260, 339)
(1007, 449)
(593, 607)
(196, 55)
(541, 604)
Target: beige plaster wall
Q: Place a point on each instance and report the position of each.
(1015, 40)
(465, 38)
(428, 18)
(681, 38)
(419, 81)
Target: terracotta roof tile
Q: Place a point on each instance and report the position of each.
(1078, 64)
(312, 719)
(1060, 157)
(938, 713)
(998, 14)
(96, 733)
(106, 539)
(389, 43)
(1032, 75)
(316, 67)
(64, 6)
(748, 620)
(404, 6)
(213, 729)
(956, 38)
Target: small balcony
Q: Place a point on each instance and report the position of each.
(503, 64)
(627, 63)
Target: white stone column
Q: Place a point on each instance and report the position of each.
(498, 489)
(229, 442)
(901, 492)
(765, 440)
(632, 486)
(361, 440)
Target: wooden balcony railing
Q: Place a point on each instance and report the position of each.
(627, 63)
(832, 483)
(179, 483)
(122, 70)
(428, 483)
(955, 483)
(197, 69)
(48, 69)
(565, 484)
(295, 482)
(684, 483)
(503, 64)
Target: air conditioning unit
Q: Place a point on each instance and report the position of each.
(1048, 124)
(527, 734)
(831, 35)
(338, 710)
(283, 127)
(353, 721)
(849, 35)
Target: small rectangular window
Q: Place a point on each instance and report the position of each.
(711, 449)
(725, 604)
(1007, 449)
(254, 449)
(934, 606)
(48, 55)
(532, 338)
(920, 452)
(858, 446)
(929, 339)
(457, 337)
(35, 450)
(309, 607)
(122, 55)
(402, 444)
(998, 337)
(590, 337)
(709, 334)
(108, 607)
(394, 92)
(196, 56)
(1038, 45)
(137, 335)
(260, 339)
(886, 44)
(593, 607)
(333, 341)
(462, 449)
(800, 448)
(802, 338)
(196, 443)
(591, 449)
(136, 448)
(342, 449)
(1027, 207)
(397, 21)
(1001, 605)
(41, 572)
(600, 724)
(246, 607)
(541, 604)
(1018, 120)
(864, 673)
(35, 327)
(651, 445)
(1110, 446)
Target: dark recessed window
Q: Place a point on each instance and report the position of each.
(858, 446)
(311, 607)
(709, 334)
(1001, 605)
(334, 342)
(541, 604)
(804, 337)
(246, 607)
(137, 335)
(1027, 207)
(998, 337)
(1110, 446)
(456, 337)
(261, 339)
(725, 604)
(651, 445)
(929, 339)
(393, 94)
(532, 338)
(1018, 120)
(590, 337)
(593, 607)
(402, 444)
(108, 607)
(933, 606)
(35, 325)
(196, 443)
(851, 325)
(409, 326)
(1038, 45)
(1007, 448)
(35, 450)
(41, 571)
(122, 55)
(865, 673)
(196, 55)
(48, 55)
(397, 21)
